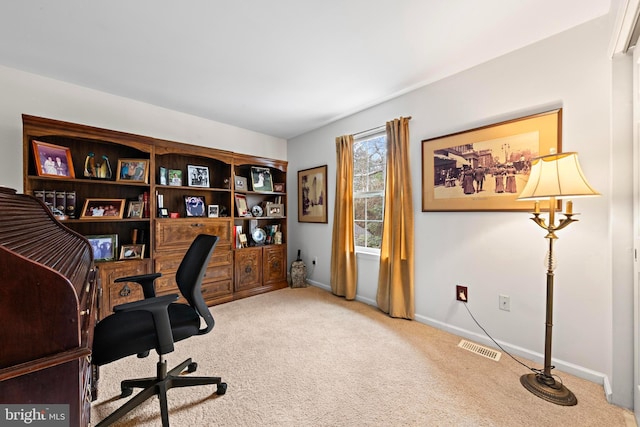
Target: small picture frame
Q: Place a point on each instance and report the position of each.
(240, 183)
(135, 251)
(52, 160)
(194, 205)
(175, 177)
(241, 205)
(163, 213)
(135, 209)
(103, 246)
(278, 187)
(261, 179)
(275, 210)
(213, 211)
(164, 176)
(197, 176)
(103, 209)
(243, 240)
(133, 170)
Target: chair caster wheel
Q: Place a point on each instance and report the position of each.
(126, 391)
(191, 367)
(222, 389)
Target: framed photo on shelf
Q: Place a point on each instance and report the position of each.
(241, 205)
(198, 176)
(135, 210)
(278, 187)
(240, 183)
(274, 210)
(133, 170)
(103, 246)
(135, 251)
(312, 195)
(52, 160)
(213, 211)
(484, 169)
(103, 209)
(194, 205)
(261, 179)
(175, 177)
(164, 176)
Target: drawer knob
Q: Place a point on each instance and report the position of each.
(197, 225)
(247, 269)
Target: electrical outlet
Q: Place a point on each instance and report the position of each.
(504, 302)
(461, 293)
(315, 260)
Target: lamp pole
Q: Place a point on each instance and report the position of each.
(543, 384)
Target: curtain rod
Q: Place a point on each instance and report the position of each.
(374, 129)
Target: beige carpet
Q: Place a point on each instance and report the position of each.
(303, 357)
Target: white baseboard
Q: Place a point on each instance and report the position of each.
(570, 368)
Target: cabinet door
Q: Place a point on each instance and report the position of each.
(248, 268)
(119, 293)
(275, 268)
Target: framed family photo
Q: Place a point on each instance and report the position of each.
(103, 209)
(484, 169)
(135, 209)
(133, 170)
(194, 205)
(52, 160)
(312, 195)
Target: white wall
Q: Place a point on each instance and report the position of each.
(24, 93)
(502, 252)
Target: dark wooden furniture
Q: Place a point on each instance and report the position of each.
(166, 239)
(48, 299)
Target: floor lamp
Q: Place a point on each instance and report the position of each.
(553, 177)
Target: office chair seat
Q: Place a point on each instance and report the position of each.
(156, 323)
(133, 332)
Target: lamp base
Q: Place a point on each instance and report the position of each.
(548, 389)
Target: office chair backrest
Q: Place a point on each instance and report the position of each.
(191, 272)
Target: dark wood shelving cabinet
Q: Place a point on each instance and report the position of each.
(166, 239)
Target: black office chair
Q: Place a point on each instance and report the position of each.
(156, 323)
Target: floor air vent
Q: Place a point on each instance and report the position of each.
(487, 352)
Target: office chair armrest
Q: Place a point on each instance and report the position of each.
(144, 280)
(157, 306)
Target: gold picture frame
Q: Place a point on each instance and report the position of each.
(103, 209)
(52, 160)
(133, 170)
(484, 169)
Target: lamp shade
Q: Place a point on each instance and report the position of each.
(556, 175)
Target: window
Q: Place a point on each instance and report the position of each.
(369, 169)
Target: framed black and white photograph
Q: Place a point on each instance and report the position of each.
(104, 246)
(261, 179)
(194, 205)
(197, 176)
(213, 211)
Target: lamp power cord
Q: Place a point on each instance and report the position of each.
(549, 380)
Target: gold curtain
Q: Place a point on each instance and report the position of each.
(343, 254)
(395, 283)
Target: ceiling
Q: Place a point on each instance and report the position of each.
(279, 67)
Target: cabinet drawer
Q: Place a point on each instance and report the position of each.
(170, 263)
(167, 282)
(214, 290)
(181, 232)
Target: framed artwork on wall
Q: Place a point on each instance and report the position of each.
(484, 169)
(312, 194)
